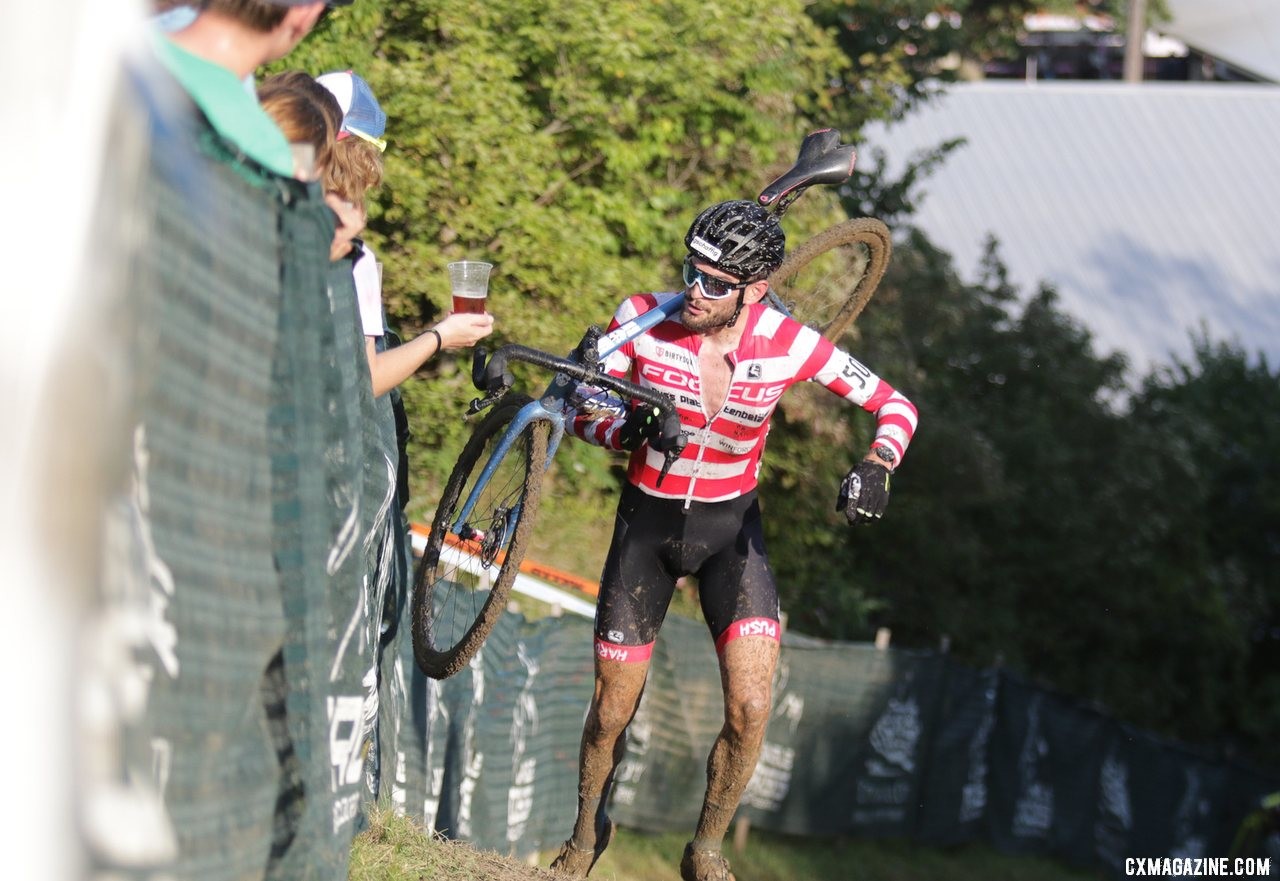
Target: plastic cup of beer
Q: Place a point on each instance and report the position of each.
(470, 282)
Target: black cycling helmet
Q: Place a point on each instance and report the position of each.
(738, 237)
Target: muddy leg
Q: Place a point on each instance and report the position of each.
(617, 695)
(746, 675)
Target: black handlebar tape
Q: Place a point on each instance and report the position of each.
(497, 375)
(587, 373)
(477, 367)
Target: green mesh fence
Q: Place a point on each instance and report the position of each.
(254, 549)
(194, 549)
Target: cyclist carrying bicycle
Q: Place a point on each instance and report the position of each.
(726, 358)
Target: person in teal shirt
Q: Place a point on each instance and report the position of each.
(214, 59)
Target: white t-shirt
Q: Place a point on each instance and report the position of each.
(369, 293)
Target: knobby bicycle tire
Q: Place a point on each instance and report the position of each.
(452, 613)
(828, 300)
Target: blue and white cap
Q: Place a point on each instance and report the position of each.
(362, 116)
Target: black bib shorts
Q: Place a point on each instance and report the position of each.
(656, 541)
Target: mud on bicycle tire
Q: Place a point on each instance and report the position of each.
(833, 315)
(431, 586)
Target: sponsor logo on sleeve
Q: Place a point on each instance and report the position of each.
(854, 369)
(631, 653)
(749, 627)
(611, 652)
(758, 627)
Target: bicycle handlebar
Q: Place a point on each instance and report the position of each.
(494, 376)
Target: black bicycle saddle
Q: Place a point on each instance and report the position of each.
(822, 160)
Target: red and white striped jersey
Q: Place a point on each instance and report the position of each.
(721, 459)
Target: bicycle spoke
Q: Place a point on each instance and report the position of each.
(471, 556)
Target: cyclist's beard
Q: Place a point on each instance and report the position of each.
(711, 317)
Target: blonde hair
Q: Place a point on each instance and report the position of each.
(356, 168)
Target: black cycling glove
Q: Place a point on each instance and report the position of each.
(642, 425)
(864, 492)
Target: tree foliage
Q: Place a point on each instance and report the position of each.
(1217, 495)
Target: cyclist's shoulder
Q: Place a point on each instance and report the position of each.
(768, 326)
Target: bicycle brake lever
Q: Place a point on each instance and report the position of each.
(671, 441)
(668, 459)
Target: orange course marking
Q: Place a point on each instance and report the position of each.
(538, 570)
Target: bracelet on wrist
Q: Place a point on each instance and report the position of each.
(439, 340)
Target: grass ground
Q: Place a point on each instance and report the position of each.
(395, 849)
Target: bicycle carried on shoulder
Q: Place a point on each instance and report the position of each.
(482, 524)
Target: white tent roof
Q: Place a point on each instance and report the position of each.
(1244, 32)
(1151, 208)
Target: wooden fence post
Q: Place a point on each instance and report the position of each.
(741, 830)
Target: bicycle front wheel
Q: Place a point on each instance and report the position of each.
(826, 282)
(467, 570)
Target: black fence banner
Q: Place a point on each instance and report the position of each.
(1045, 762)
(491, 755)
(857, 716)
(1178, 800)
(954, 798)
(861, 741)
